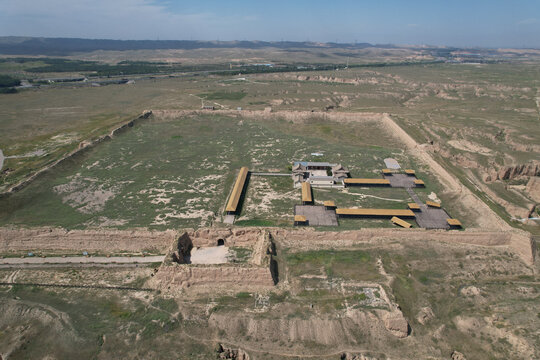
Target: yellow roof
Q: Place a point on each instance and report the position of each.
(400, 222)
(367, 181)
(419, 182)
(410, 172)
(433, 204)
(375, 212)
(413, 206)
(329, 203)
(387, 171)
(453, 222)
(237, 189)
(299, 218)
(306, 192)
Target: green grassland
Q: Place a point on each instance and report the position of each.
(177, 172)
(492, 106)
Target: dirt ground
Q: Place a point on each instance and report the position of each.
(337, 293)
(211, 255)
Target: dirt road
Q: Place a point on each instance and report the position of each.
(81, 260)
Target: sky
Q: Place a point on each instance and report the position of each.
(482, 23)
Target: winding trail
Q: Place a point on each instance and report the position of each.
(375, 197)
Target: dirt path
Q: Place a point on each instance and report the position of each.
(247, 348)
(375, 197)
(81, 260)
(1, 159)
(72, 286)
(415, 197)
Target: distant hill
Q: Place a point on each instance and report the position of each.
(11, 45)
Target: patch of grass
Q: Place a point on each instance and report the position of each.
(116, 310)
(240, 254)
(243, 295)
(359, 297)
(255, 222)
(168, 305)
(281, 297)
(354, 264)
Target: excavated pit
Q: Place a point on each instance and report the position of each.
(205, 259)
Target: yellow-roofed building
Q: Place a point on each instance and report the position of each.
(329, 204)
(413, 206)
(234, 199)
(366, 182)
(400, 222)
(455, 223)
(388, 213)
(300, 220)
(307, 197)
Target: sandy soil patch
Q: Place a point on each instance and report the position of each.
(264, 195)
(210, 255)
(469, 147)
(433, 197)
(204, 215)
(363, 196)
(39, 152)
(63, 139)
(85, 194)
(103, 221)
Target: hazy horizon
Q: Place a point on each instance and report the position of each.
(487, 24)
